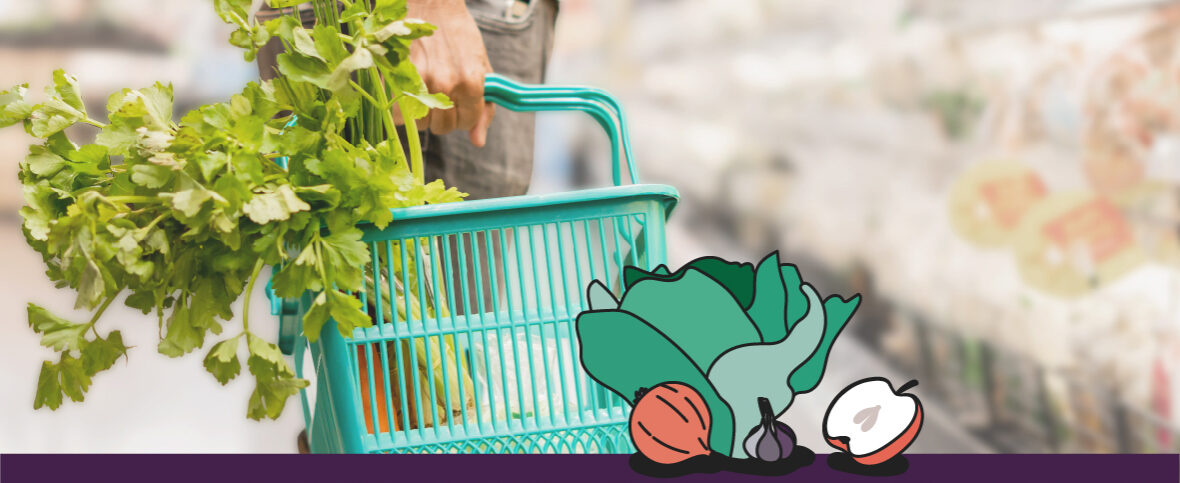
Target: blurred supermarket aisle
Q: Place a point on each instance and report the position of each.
(1001, 180)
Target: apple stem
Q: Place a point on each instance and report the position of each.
(908, 385)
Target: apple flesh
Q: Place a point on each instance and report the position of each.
(872, 422)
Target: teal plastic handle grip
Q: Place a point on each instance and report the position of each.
(595, 102)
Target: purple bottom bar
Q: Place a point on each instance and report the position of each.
(15, 468)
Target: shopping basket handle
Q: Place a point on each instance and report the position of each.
(595, 102)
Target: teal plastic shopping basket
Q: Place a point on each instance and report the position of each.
(473, 347)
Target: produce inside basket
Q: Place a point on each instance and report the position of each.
(398, 358)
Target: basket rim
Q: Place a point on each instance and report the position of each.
(665, 193)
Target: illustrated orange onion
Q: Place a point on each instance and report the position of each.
(670, 423)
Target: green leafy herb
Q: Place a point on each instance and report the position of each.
(181, 217)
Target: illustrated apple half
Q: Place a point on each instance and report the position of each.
(872, 422)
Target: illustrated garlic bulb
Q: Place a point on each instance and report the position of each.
(772, 440)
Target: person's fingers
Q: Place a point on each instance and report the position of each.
(468, 111)
(479, 133)
(463, 85)
(443, 80)
(468, 98)
(442, 121)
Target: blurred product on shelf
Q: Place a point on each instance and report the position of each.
(989, 200)
(1071, 243)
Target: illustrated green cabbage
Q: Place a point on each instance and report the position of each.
(731, 331)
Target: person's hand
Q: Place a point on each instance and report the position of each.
(453, 61)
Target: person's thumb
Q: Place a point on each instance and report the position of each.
(479, 133)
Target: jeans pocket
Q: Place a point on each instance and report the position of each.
(503, 15)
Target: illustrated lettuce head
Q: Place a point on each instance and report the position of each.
(731, 331)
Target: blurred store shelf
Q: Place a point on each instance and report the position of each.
(87, 35)
(985, 17)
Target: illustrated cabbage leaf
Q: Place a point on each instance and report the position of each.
(612, 340)
(705, 319)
